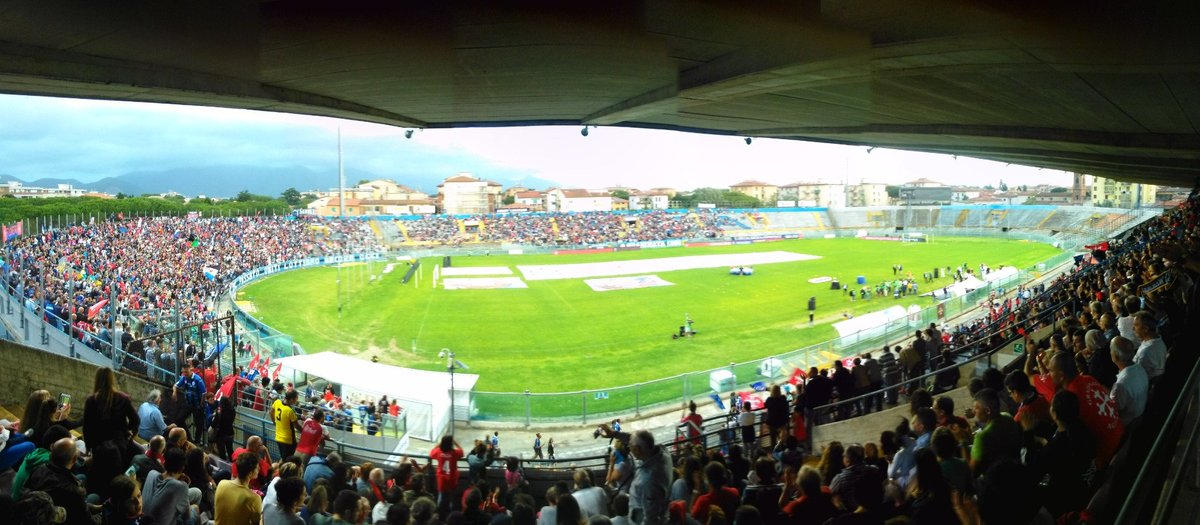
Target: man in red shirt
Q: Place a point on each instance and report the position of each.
(312, 436)
(1096, 407)
(447, 454)
(210, 378)
(254, 445)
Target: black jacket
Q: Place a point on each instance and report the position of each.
(66, 491)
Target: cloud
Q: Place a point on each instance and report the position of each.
(89, 140)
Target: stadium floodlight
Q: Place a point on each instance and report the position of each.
(452, 364)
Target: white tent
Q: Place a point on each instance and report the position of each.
(867, 326)
(969, 284)
(1004, 272)
(423, 394)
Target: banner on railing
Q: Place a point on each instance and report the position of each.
(13, 231)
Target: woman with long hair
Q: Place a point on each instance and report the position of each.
(223, 421)
(689, 480)
(317, 510)
(195, 466)
(109, 415)
(447, 454)
(41, 412)
(929, 498)
(777, 412)
(832, 461)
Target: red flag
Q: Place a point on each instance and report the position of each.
(253, 363)
(95, 309)
(264, 367)
(275, 374)
(756, 402)
(798, 376)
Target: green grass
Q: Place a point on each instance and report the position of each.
(560, 336)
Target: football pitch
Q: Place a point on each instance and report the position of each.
(562, 335)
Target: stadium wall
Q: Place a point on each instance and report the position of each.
(28, 368)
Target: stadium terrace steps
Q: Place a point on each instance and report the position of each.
(403, 230)
(1042, 223)
(792, 221)
(1077, 220)
(962, 218)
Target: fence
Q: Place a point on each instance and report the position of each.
(604, 404)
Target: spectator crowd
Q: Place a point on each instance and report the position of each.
(150, 265)
(568, 228)
(1037, 445)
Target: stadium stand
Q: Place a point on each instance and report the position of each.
(749, 466)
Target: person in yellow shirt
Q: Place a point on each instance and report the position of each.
(287, 425)
(235, 503)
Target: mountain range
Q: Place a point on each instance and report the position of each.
(229, 180)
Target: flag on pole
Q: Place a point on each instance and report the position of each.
(717, 399)
(253, 363)
(275, 373)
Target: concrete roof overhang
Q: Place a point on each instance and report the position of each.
(1108, 88)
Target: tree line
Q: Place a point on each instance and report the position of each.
(66, 210)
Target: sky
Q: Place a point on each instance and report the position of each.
(89, 140)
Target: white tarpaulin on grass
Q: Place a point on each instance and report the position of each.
(424, 395)
(455, 271)
(540, 272)
(482, 283)
(626, 283)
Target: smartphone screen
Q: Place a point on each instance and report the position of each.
(64, 399)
